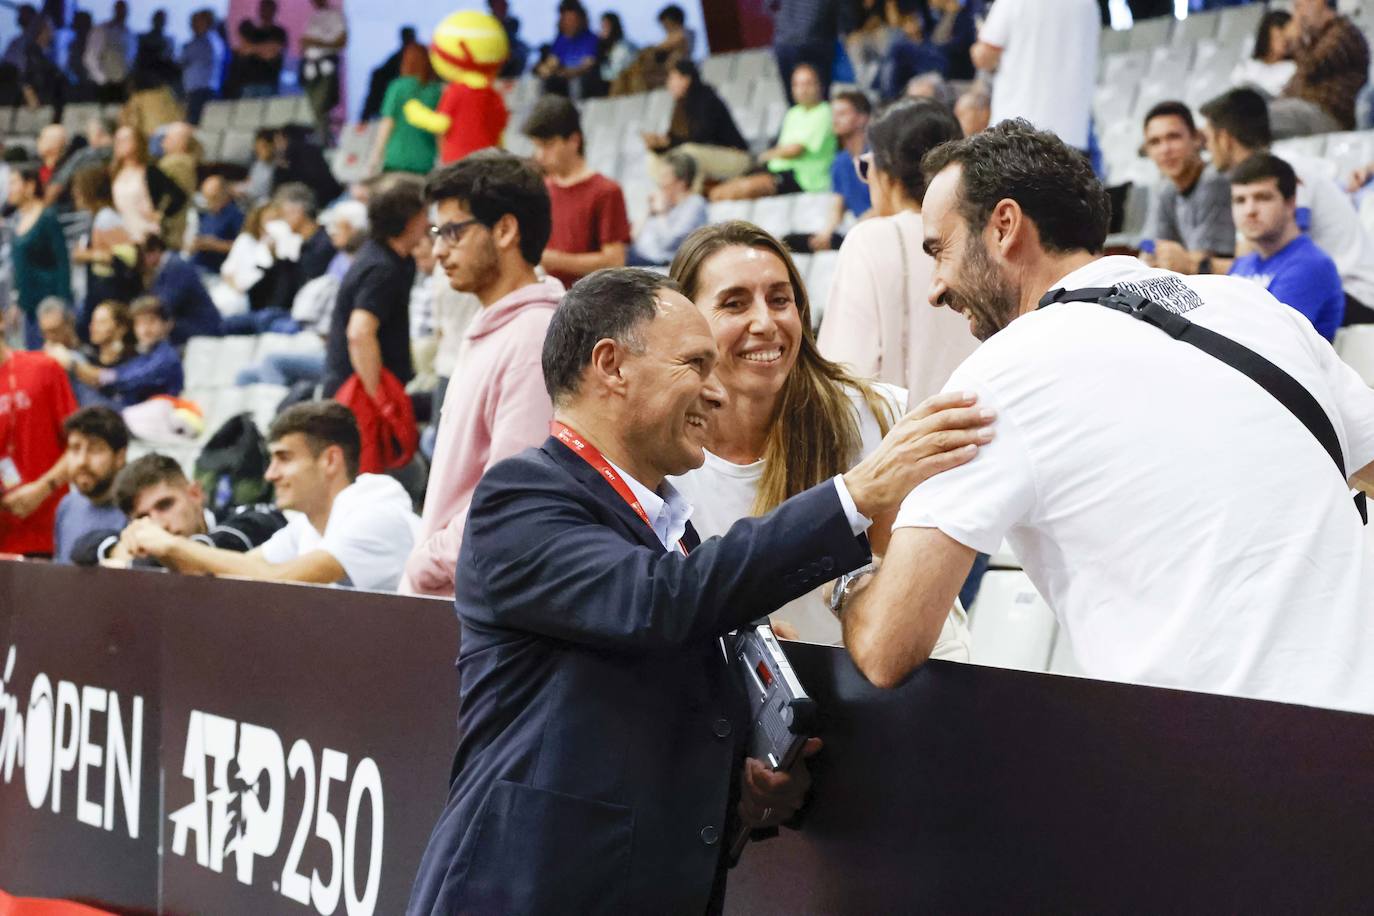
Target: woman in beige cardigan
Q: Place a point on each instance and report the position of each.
(878, 320)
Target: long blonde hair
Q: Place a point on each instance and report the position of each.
(820, 436)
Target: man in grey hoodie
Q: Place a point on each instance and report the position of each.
(494, 221)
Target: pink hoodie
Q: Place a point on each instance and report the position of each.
(495, 406)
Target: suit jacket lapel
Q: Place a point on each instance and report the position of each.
(604, 492)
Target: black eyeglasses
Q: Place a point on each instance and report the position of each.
(862, 165)
(450, 233)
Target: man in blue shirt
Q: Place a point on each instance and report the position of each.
(1284, 261)
(178, 285)
(221, 220)
(97, 441)
(201, 62)
(849, 114)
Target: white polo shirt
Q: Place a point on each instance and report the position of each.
(1186, 529)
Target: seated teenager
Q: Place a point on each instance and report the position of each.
(153, 368)
(343, 527)
(156, 490)
(178, 286)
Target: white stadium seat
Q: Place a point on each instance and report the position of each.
(1011, 624)
(1355, 345)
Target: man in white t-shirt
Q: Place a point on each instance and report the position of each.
(1237, 127)
(1187, 530)
(341, 527)
(322, 44)
(1045, 55)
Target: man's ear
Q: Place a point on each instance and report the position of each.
(1007, 224)
(606, 365)
(197, 495)
(506, 232)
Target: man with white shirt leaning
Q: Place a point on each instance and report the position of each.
(342, 527)
(1185, 527)
(1044, 53)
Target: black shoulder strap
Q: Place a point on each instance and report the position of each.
(1285, 389)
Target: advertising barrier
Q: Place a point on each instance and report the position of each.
(189, 745)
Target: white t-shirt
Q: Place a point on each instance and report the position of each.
(1269, 78)
(370, 532)
(1048, 69)
(1329, 217)
(722, 493)
(1186, 529)
(324, 25)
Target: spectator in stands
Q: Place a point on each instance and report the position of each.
(202, 63)
(650, 69)
(300, 158)
(801, 159)
(178, 286)
(590, 227)
(806, 32)
(43, 83)
(155, 53)
(346, 528)
(878, 321)
(97, 443)
(57, 324)
(151, 105)
(1237, 127)
(614, 51)
(791, 418)
(381, 77)
(954, 29)
(259, 54)
(974, 110)
(300, 250)
(494, 220)
(931, 85)
(70, 57)
(97, 151)
(908, 55)
(112, 343)
(110, 54)
(52, 149)
(106, 250)
(181, 153)
(674, 213)
(1332, 60)
(155, 489)
(568, 66)
(249, 259)
(399, 145)
(32, 471)
(701, 128)
(370, 331)
(1283, 260)
(143, 194)
(148, 368)
(1270, 66)
(262, 171)
(518, 59)
(322, 45)
(1016, 41)
(24, 16)
(1190, 211)
(38, 251)
(849, 111)
(219, 224)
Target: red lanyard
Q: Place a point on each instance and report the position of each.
(592, 455)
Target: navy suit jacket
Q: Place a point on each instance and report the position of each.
(601, 726)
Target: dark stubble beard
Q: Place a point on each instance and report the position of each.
(484, 271)
(983, 293)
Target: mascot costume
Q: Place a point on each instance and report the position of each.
(467, 53)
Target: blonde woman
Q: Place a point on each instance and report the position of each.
(793, 418)
(143, 194)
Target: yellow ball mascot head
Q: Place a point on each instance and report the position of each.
(469, 48)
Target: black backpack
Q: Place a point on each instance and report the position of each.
(231, 467)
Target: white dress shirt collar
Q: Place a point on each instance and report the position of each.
(668, 513)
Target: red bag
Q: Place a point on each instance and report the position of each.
(386, 424)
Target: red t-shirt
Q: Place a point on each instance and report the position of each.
(586, 216)
(35, 398)
(478, 116)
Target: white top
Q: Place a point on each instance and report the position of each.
(1268, 78)
(370, 532)
(1049, 63)
(248, 259)
(324, 25)
(882, 327)
(722, 493)
(1186, 529)
(1330, 218)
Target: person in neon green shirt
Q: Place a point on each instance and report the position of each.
(399, 146)
(806, 147)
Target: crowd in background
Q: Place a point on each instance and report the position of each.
(417, 298)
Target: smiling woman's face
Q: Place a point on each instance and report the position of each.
(747, 296)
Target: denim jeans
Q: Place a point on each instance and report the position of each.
(263, 321)
(284, 369)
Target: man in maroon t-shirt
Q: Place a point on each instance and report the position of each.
(35, 397)
(590, 228)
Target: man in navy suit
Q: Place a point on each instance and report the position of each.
(601, 765)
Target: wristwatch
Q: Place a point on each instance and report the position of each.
(841, 591)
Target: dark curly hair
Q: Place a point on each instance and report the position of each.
(903, 133)
(1052, 183)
